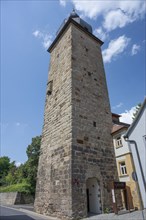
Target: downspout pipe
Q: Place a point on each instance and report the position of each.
(134, 142)
(138, 157)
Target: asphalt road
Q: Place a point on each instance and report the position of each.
(10, 213)
(13, 214)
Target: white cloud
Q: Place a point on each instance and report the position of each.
(37, 33)
(93, 9)
(115, 19)
(100, 33)
(134, 9)
(115, 47)
(18, 164)
(46, 38)
(118, 105)
(135, 49)
(63, 2)
(115, 13)
(127, 115)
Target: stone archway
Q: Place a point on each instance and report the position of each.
(93, 196)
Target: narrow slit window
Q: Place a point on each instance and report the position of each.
(94, 123)
(50, 87)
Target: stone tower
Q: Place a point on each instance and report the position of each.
(77, 157)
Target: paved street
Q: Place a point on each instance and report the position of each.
(136, 215)
(7, 213)
(24, 212)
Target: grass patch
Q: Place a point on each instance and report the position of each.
(19, 187)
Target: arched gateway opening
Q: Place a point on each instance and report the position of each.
(93, 196)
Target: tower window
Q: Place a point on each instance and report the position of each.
(94, 123)
(50, 87)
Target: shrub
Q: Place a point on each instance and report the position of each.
(20, 187)
(106, 210)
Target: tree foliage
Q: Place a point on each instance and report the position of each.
(26, 173)
(4, 165)
(4, 168)
(31, 165)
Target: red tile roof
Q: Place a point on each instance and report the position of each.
(117, 127)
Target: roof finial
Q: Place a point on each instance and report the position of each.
(73, 9)
(73, 13)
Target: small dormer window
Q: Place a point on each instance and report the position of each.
(94, 123)
(49, 87)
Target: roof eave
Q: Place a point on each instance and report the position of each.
(117, 115)
(120, 129)
(70, 20)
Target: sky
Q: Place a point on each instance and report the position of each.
(28, 28)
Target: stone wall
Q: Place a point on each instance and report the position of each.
(93, 152)
(76, 141)
(53, 192)
(13, 198)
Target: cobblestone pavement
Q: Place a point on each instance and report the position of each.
(135, 215)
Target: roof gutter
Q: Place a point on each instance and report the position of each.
(137, 183)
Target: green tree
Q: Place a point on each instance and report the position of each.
(7, 171)
(136, 111)
(4, 165)
(4, 168)
(9, 179)
(11, 176)
(21, 174)
(31, 165)
(26, 173)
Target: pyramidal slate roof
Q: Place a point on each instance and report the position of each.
(78, 22)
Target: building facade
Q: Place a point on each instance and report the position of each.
(125, 165)
(136, 138)
(77, 157)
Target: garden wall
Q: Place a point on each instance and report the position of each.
(13, 198)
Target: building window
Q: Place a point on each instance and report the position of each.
(123, 169)
(94, 123)
(49, 87)
(119, 142)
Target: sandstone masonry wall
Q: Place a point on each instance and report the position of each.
(53, 192)
(76, 141)
(93, 152)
